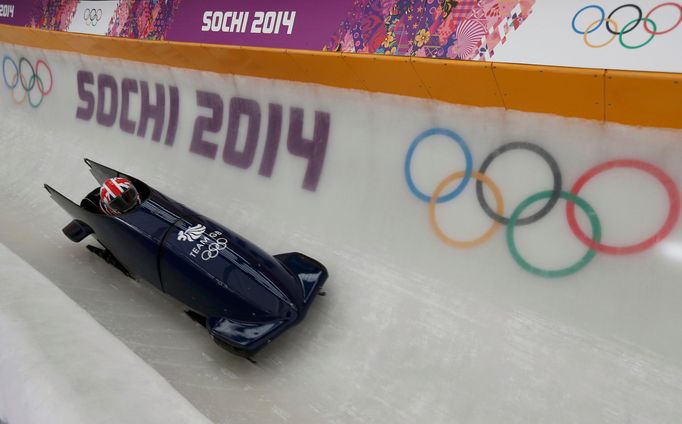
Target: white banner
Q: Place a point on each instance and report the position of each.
(93, 17)
(606, 34)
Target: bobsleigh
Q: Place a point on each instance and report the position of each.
(241, 294)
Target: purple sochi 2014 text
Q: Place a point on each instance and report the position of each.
(109, 101)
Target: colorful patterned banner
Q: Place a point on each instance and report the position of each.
(467, 29)
(149, 20)
(259, 23)
(15, 12)
(605, 34)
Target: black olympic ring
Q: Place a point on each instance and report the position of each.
(556, 188)
(28, 82)
(92, 16)
(639, 18)
(21, 72)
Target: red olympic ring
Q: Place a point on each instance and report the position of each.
(654, 32)
(666, 228)
(40, 86)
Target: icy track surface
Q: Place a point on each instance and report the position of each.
(57, 365)
(412, 329)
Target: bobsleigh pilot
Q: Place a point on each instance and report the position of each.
(117, 196)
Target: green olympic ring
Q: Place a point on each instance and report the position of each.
(596, 234)
(35, 80)
(635, 22)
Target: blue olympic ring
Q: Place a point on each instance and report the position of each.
(601, 21)
(467, 171)
(4, 74)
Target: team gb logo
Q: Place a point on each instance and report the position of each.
(192, 233)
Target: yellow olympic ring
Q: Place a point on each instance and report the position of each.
(23, 99)
(594, 24)
(432, 210)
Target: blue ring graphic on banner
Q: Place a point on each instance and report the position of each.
(591, 6)
(467, 171)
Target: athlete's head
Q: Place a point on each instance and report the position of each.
(118, 195)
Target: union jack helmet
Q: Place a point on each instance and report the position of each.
(117, 195)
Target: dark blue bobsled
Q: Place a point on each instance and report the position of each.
(242, 295)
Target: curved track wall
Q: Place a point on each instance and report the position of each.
(58, 365)
(634, 98)
(526, 323)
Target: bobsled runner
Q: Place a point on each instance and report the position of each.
(241, 294)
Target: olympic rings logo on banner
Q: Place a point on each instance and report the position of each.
(593, 242)
(92, 16)
(22, 76)
(617, 31)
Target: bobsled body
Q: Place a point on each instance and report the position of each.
(243, 296)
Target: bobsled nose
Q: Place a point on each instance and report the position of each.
(310, 273)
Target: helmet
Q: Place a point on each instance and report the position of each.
(117, 195)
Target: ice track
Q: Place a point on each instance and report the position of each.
(411, 330)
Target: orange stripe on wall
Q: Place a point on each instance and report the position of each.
(628, 97)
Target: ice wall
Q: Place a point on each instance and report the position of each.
(525, 324)
(57, 365)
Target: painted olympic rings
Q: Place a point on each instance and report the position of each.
(480, 178)
(666, 228)
(572, 199)
(551, 197)
(92, 16)
(23, 74)
(556, 175)
(467, 157)
(616, 31)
